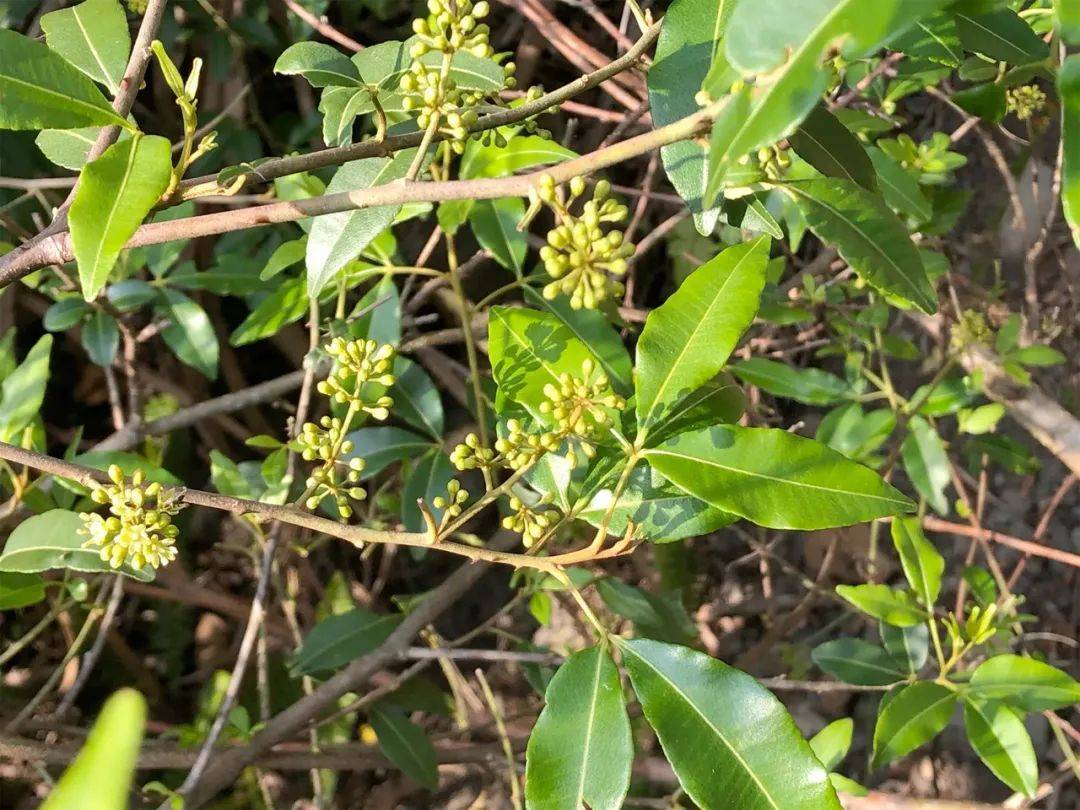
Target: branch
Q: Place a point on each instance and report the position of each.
(57, 249)
(228, 765)
(122, 104)
(322, 27)
(283, 166)
(1028, 547)
(358, 536)
(157, 756)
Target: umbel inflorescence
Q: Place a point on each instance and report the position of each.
(579, 255)
(451, 27)
(361, 373)
(139, 529)
(580, 411)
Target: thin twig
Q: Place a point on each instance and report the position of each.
(57, 248)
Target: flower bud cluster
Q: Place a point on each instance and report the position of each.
(1025, 101)
(519, 448)
(472, 455)
(335, 478)
(530, 522)
(579, 255)
(357, 363)
(139, 530)
(774, 161)
(451, 26)
(453, 502)
(582, 407)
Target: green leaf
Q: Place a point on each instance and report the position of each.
(661, 511)
(688, 338)
(18, 590)
(998, 736)
(520, 152)
(853, 660)
(827, 145)
(381, 320)
(914, 716)
(382, 65)
(983, 587)
(64, 314)
(1024, 683)
(319, 63)
(894, 607)
(494, 223)
(468, 71)
(592, 328)
(284, 305)
(719, 400)
(114, 195)
(106, 763)
(1068, 20)
(831, 744)
(1039, 356)
(189, 332)
(405, 744)
(987, 101)
(856, 434)
(337, 239)
(337, 640)
(580, 750)
(691, 33)
(662, 617)
(528, 350)
(284, 256)
(416, 399)
(868, 236)
(101, 338)
(927, 463)
(784, 53)
(130, 294)
(52, 540)
(923, 564)
(23, 390)
(900, 190)
(812, 386)
(775, 478)
(39, 89)
(70, 147)
(381, 446)
(1001, 34)
(908, 646)
(934, 38)
(94, 37)
(730, 741)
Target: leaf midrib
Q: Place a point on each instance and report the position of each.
(662, 452)
(648, 418)
(77, 101)
(908, 722)
(686, 699)
(331, 643)
(975, 707)
(854, 226)
(792, 58)
(112, 83)
(579, 794)
(103, 233)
